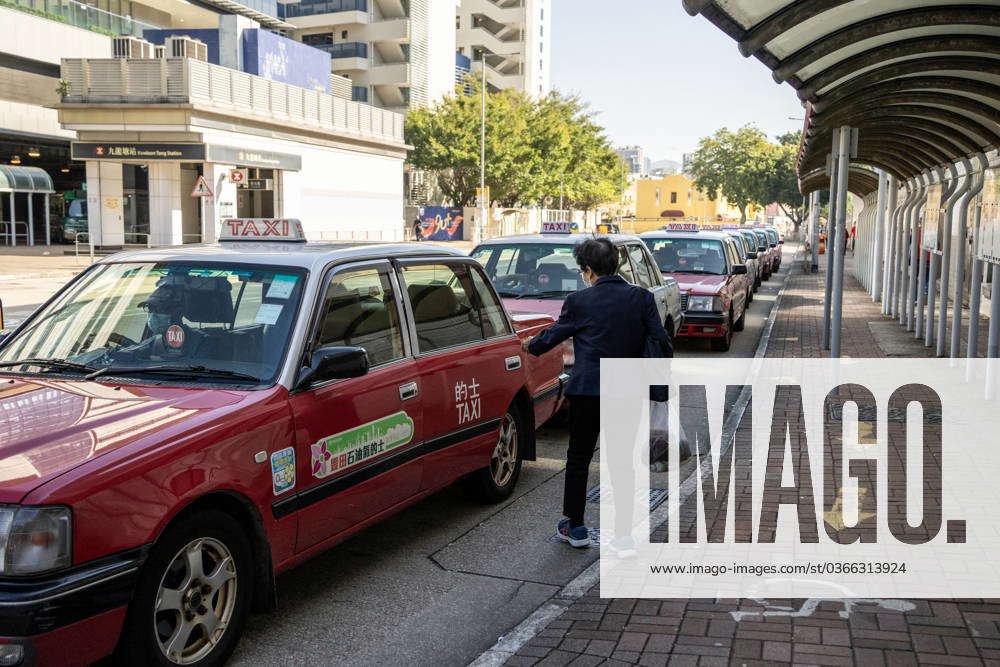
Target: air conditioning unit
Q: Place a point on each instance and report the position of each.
(182, 46)
(159, 52)
(131, 47)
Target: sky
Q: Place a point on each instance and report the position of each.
(661, 79)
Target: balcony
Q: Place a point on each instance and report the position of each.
(510, 14)
(497, 78)
(389, 74)
(311, 8)
(391, 30)
(211, 88)
(347, 56)
(480, 38)
(82, 15)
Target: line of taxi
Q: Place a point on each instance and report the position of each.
(718, 268)
(179, 425)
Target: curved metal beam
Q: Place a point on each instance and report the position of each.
(695, 7)
(848, 95)
(913, 110)
(884, 166)
(933, 152)
(905, 68)
(957, 142)
(789, 16)
(903, 160)
(921, 98)
(982, 15)
(895, 144)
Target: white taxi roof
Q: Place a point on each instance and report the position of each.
(703, 234)
(556, 239)
(271, 253)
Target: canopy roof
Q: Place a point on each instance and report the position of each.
(24, 179)
(919, 78)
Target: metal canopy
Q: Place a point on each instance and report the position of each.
(25, 179)
(919, 78)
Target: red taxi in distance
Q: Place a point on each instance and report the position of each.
(712, 277)
(182, 424)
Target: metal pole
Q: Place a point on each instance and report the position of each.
(897, 232)
(976, 289)
(890, 248)
(830, 218)
(946, 227)
(975, 186)
(814, 231)
(932, 273)
(843, 164)
(31, 218)
(48, 226)
(911, 292)
(903, 252)
(13, 219)
(478, 231)
(993, 340)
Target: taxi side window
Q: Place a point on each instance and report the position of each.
(654, 270)
(492, 315)
(360, 310)
(624, 267)
(641, 270)
(442, 297)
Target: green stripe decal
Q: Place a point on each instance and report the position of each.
(346, 449)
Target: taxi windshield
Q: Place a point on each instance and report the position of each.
(531, 270)
(164, 321)
(697, 256)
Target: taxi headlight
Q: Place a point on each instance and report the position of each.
(34, 539)
(701, 303)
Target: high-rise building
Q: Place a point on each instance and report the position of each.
(397, 53)
(634, 157)
(512, 37)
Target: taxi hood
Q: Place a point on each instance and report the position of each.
(699, 283)
(550, 307)
(48, 427)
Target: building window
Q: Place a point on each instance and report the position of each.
(657, 196)
(319, 39)
(673, 197)
(343, 34)
(458, 23)
(689, 196)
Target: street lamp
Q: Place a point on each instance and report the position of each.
(477, 233)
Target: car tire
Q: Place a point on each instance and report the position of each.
(723, 344)
(741, 323)
(200, 572)
(496, 482)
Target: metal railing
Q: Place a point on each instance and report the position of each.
(308, 8)
(81, 15)
(344, 49)
(8, 232)
(184, 80)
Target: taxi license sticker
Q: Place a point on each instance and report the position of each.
(268, 313)
(281, 287)
(174, 336)
(361, 443)
(283, 470)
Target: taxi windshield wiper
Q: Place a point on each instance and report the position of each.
(173, 370)
(61, 364)
(545, 295)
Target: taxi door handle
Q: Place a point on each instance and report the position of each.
(512, 363)
(407, 391)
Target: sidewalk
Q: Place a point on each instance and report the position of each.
(595, 631)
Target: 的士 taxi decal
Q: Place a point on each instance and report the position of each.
(361, 443)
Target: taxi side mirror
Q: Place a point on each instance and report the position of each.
(752, 255)
(739, 269)
(334, 362)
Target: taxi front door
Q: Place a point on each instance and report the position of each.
(353, 436)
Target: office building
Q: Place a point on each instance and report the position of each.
(397, 53)
(152, 125)
(634, 158)
(512, 37)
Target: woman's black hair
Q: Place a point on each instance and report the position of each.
(599, 254)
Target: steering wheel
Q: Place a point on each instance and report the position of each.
(511, 281)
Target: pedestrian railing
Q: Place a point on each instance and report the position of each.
(9, 234)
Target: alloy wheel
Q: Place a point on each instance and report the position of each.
(504, 459)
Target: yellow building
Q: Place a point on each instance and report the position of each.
(674, 198)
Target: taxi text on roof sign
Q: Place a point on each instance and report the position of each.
(682, 227)
(262, 229)
(557, 227)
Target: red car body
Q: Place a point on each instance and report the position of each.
(128, 459)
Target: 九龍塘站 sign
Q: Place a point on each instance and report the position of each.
(84, 150)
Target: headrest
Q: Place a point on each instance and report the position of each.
(432, 302)
(209, 299)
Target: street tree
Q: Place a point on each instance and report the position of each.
(782, 183)
(735, 165)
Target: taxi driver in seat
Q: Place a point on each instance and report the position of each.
(169, 337)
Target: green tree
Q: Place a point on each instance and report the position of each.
(783, 180)
(534, 148)
(735, 165)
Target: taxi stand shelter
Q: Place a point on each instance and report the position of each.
(901, 111)
(23, 183)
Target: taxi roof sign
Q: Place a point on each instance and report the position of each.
(682, 227)
(733, 226)
(557, 227)
(262, 229)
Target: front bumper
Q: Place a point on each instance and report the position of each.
(38, 611)
(703, 325)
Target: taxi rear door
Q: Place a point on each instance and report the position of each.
(469, 361)
(356, 438)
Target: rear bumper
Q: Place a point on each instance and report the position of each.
(75, 614)
(703, 325)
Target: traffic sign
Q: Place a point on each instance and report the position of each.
(237, 176)
(201, 188)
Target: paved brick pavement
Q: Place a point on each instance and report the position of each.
(595, 631)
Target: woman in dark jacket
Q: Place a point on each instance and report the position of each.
(611, 319)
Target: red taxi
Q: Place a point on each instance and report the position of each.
(180, 425)
(712, 277)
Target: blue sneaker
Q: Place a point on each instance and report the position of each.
(577, 537)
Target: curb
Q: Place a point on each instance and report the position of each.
(509, 644)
